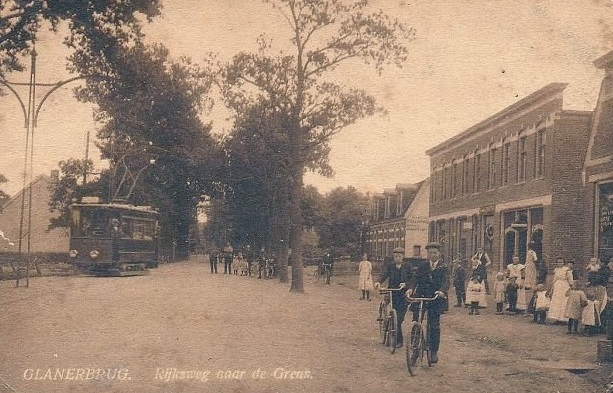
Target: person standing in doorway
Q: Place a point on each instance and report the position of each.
(516, 270)
(530, 277)
(481, 261)
(459, 282)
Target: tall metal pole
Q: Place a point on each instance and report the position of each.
(28, 152)
(86, 158)
(30, 116)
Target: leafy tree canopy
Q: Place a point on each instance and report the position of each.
(92, 23)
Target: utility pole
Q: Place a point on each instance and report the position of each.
(30, 114)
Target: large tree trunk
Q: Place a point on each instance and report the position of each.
(295, 210)
(280, 231)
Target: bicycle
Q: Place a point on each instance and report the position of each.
(420, 336)
(327, 273)
(388, 319)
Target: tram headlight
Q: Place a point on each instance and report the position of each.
(73, 253)
(94, 254)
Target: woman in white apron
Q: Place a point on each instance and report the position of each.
(562, 281)
(365, 283)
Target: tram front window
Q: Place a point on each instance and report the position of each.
(90, 223)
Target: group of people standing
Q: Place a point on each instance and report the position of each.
(523, 288)
(239, 264)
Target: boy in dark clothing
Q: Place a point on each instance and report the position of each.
(511, 291)
(459, 282)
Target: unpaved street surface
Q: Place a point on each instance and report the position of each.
(181, 329)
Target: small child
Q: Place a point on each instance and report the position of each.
(235, 265)
(574, 306)
(473, 294)
(541, 304)
(499, 289)
(511, 292)
(590, 317)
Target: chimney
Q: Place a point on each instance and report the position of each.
(55, 176)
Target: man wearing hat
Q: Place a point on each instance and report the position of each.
(398, 274)
(429, 279)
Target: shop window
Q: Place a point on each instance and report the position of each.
(522, 158)
(491, 168)
(539, 152)
(454, 176)
(506, 161)
(476, 172)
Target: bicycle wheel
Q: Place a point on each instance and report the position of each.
(382, 320)
(327, 276)
(393, 330)
(413, 349)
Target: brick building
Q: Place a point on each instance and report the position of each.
(598, 166)
(42, 240)
(398, 219)
(513, 178)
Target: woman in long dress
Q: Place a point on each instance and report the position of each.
(597, 279)
(365, 283)
(562, 281)
(530, 270)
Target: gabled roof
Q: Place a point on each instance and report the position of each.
(17, 196)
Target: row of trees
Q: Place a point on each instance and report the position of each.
(286, 102)
(332, 223)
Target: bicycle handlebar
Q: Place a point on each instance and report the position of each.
(385, 290)
(425, 299)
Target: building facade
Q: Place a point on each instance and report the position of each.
(598, 166)
(41, 239)
(514, 178)
(398, 218)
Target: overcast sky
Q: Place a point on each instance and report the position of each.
(469, 60)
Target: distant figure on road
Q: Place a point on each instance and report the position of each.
(365, 283)
(213, 260)
(228, 252)
(562, 281)
(327, 264)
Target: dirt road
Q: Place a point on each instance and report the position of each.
(181, 329)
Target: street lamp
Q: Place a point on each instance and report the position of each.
(30, 113)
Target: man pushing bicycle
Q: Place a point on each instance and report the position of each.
(430, 278)
(397, 273)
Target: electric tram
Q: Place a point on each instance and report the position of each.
(113, 238)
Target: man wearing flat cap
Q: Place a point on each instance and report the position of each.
(397, 273)
(429, 279)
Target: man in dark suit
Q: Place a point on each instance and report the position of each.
(430, 278)
(397, 273)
